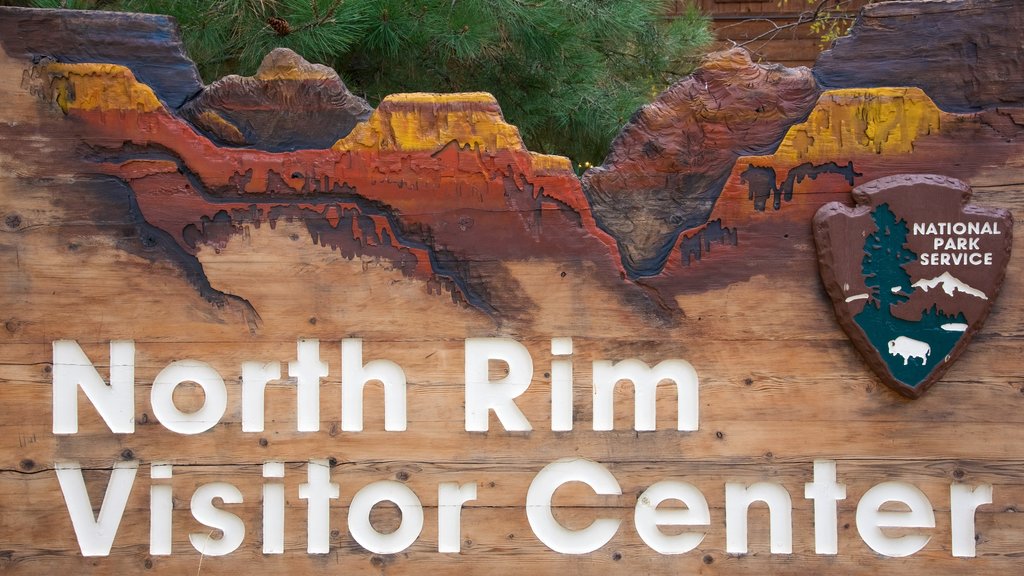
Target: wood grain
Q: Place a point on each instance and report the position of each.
(101, 177)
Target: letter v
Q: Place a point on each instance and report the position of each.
(96, 537)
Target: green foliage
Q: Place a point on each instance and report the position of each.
(568, 73)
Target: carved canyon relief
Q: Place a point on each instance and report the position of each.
(441, 189)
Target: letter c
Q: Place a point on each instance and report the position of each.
(538, 506)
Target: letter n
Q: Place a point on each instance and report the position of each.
(115, 403)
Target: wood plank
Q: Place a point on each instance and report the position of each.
(122, 220)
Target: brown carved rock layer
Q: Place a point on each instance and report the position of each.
(289, 104)
(667, 166)
(965, 54)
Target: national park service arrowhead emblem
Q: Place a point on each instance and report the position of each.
(912, 270)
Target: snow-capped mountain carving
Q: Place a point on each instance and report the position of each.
(950, 285)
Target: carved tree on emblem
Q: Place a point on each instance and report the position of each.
(885, 253)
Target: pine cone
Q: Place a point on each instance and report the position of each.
(280, 25)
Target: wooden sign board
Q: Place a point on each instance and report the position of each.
(259, 326)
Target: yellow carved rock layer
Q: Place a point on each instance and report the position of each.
(550, 162)
(416, 122)
(101, 87)
(868, 120)
(422, 122)
(215, 123)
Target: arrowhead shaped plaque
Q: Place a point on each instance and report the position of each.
(913, 270)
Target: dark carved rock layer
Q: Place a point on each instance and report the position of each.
(150, 45)
(965, 54)
(667, 166)
(289, 104)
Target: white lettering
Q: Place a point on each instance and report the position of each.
(354, 376)
(956, 258)
(318, 491)
(826, 493)
(738, 499)
(273, 508)
(542, 521)
(561, 385)
(255, 376)
(645, 380)
(363, 531)
(215, 402)
(957, 228)
(161, 505)
(450, 498)
(483, 395)
(115, 403)
(963, 503)
(871, 519)
(232, 528)
(307, 369)
(96, 536)
(647, 517)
